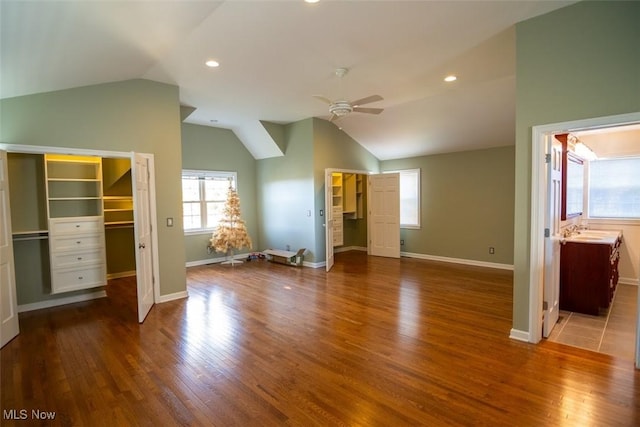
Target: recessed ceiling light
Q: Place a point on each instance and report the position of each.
(450, 78)
(212, 63)
(311, 1)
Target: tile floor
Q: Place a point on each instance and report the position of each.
(612, 332)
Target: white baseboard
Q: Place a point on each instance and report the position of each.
(61, 301)
(314, 264)
(349, 248)
(458, 261)
(629, 281)
(519, 335)
(121, 275)
(173, 297)
(215, 260)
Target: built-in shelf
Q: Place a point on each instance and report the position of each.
(76, 223)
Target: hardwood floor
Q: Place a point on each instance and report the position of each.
(375, 342)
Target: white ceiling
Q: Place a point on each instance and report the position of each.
(275, 55)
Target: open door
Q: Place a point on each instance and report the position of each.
(141, 170)
(328, 217)
(551, 305)
(8, 298)
(384, 215)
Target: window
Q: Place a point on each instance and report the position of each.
(204, 194)
(614, 188)
(409, 197)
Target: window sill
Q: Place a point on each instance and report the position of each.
(198, 232)
(616, 221)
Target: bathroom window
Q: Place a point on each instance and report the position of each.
(614, 188)
(204, 194)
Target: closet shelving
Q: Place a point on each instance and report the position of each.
(75, 220)
(74, 186)
(337, 194)
(118, 210)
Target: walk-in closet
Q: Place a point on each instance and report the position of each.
(72, 225)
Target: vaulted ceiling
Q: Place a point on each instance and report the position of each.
(275, 55)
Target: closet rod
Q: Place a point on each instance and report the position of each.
(23, 238)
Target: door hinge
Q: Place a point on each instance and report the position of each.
(153, 280)
(547, 158)
(545, 305)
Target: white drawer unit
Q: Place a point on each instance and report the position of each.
(71, 260)
(76, 222)
(66, 280)
(80, 242)
(76, 225)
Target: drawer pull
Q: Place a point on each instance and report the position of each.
(79, 258)
(78, 242)
(80, 278)
(77, 225)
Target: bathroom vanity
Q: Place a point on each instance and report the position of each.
(589, 270)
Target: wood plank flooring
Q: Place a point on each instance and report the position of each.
(375, 342)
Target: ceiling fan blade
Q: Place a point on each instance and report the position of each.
(368, 110)
(323, 99)
(367, 100)
(333, 117)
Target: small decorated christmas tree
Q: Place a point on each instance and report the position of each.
(231, 232)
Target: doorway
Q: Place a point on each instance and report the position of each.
(119, 210)
(540, 147)
(362, 208)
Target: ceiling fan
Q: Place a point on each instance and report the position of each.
(341, 108)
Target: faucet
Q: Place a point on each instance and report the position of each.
(569, 230)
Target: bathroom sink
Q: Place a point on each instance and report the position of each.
(583, 237)
(595, 236)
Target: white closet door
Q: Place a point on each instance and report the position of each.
(143, 234)
(8, 299)
(328, 217)
(384, 215)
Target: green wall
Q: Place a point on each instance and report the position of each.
(285, 196)
(215, 149)
(133, 115)
(579, 62)
(291, 188)
(466, 204)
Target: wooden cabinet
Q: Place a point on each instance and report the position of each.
(588, 276)
(75, 221)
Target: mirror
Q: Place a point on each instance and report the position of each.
(572, 185)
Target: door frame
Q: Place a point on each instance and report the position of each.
(327, 174)
(40, 149)
(538, 206)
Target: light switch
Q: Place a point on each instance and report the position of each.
(169, 222)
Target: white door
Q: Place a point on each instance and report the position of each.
(142, 167)
(551, 305)
(384, 215)
(8, 298)
(328, 217)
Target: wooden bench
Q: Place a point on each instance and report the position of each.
(285, 257)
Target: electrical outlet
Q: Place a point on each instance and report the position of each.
(492, 250)
(401, 242)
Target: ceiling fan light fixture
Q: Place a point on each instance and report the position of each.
(340, 108)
